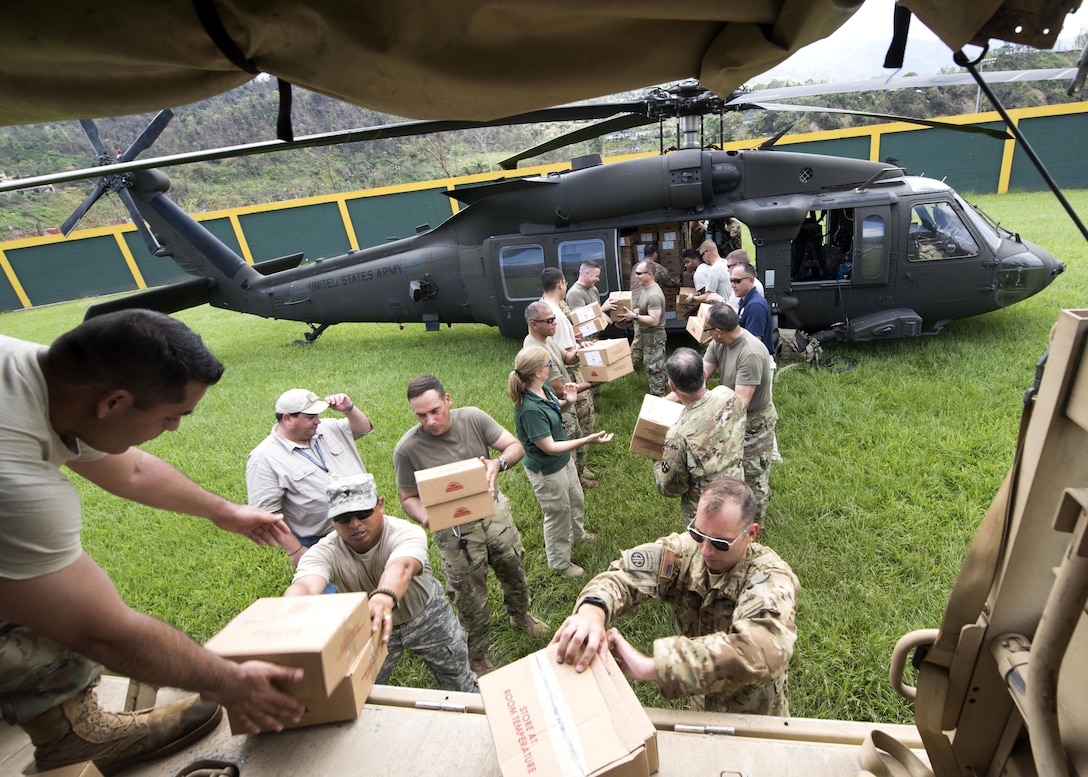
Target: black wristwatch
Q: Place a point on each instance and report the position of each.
(503, 466)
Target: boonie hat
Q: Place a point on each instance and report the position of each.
(352, 494)
(300, 401)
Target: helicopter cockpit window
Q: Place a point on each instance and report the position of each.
(521, 267)
(938, 232)
(573, 252)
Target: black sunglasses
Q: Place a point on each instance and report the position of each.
(345, 518)
(715, 542)
(544, 320)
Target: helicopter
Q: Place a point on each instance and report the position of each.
(846, 249)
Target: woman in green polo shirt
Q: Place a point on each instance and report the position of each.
(548, 463)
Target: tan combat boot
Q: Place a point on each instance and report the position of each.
(80, 730)
(481, 665)
(530, 624)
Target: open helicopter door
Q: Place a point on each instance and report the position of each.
(516, 261)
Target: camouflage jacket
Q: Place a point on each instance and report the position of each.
(706, 443)
(737, 630)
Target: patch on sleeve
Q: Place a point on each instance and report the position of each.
(668, 564)
(649, 561)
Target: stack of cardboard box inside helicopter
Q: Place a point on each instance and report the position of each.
(671, 240)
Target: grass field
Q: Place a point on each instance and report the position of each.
(888, 469)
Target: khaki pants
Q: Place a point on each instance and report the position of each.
(560, 497)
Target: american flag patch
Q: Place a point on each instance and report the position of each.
(668, 563)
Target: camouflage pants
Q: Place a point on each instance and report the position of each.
(436, 637)
(580, 422)
(653, 354)
(636, 346)
(494, 542)
(37, 674)
(560, 497)
(758, 449)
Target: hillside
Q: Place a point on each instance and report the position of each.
(248, 114)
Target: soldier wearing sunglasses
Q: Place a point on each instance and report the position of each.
(732, 598)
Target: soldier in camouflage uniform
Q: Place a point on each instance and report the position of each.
(707, 442)
(744, 365)
(445, 435)
(387, 557)
(649, 315)
(733, 601)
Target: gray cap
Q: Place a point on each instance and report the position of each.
(352, 494)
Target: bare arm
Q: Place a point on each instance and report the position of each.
(79, 607)
(551, 446)
(413, 505)
(510, 450)
(147, 479)
(636, 665)
(357, 419)
(396, 577)
(745, 393)
(310, 585)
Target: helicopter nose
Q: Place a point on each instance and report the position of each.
(1025, 273)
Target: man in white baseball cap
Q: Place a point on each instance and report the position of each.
(291, 468)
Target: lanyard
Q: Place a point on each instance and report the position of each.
(315, 462)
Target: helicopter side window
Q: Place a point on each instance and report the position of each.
(871, 263)
(573, 252)
(937, 232)
(521, 266)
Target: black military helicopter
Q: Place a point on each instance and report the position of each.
(852, 249)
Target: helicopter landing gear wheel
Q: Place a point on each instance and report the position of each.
(313, 334)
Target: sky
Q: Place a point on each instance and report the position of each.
(856, 50)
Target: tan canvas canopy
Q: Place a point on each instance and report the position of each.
(427, 59)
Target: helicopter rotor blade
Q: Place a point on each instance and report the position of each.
(90, 129)
(396, 130)
(972, 128)
(138, 220)
(69, 224)
(888, 84)
(616, 124)
(657, 103)
(148, 136)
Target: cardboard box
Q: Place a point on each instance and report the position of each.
(669, 235)
(451, 481)
(697, 324)
(85, 769)
(547, 719)
(466, 508)
(322, 635)
(647, 236)
(697, 329)
(590, 328)
(604, 352)
(585, 313)
(648, 448)
(622, 301)
(607, 372)
(347, 699)
(655, 418)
